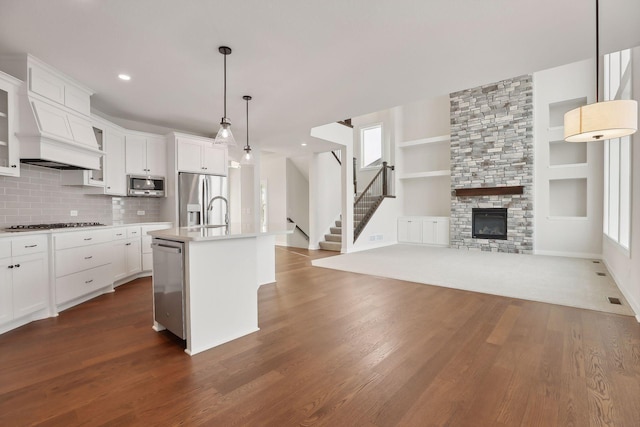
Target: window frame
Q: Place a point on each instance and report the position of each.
(382, 147)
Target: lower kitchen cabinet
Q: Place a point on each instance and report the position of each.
(147, 255)
(24, 284)
(427, 230)
(82, 266)
(126, 258)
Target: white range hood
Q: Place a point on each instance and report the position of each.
(54, 119)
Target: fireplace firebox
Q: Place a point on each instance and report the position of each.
(489, 223)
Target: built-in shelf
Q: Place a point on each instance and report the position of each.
(423, 141)
(429, 174)
(489, 191)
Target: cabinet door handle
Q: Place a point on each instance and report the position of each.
(14, 166)
(17, 266)
(128, 244)
(10, 266)
(108, 188)
(88, 257)
(118, 234)
(88, 238)
(31, 246)
(88, 281)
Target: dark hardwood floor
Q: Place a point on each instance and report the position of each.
(334, 349)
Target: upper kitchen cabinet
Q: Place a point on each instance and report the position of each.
(54, 121)
(145, 154)
(9, 155)
(199, 155)
(115, 176)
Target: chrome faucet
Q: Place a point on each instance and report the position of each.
(226, 202)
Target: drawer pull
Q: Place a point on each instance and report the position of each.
(88, 281)
(88, 257)
(128, 244)
(118, 234)
(17, 265)
(10, 266)
(88, 238)
(31, 246)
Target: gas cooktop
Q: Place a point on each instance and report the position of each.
(35, 227)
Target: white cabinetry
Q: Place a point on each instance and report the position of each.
(126, 252)
(9, 154)
(147, 255)
(410, 230)
(82, 265)
(435, 231)
(115, 178)
(200, 156)
(145, 155)
(424, 230)
(24, 281)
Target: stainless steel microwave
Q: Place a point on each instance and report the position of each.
(145, 186)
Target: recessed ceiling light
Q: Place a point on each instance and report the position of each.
(124, 77)
(304, 144)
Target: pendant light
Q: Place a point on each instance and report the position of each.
(224, 135)
(601, 120)
(247, 157)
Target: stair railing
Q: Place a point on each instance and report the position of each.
(306, 236)
(381, 186)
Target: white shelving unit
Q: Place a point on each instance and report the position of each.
(424, 171)
(9, 161)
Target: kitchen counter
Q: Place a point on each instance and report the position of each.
(232, 231)
(223, 268)
(4, 233)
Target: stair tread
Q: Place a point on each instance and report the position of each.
(331, 246)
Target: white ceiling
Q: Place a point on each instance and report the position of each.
(306, 63)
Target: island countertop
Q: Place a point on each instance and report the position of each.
(231, 231)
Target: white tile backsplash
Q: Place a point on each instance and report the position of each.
(38, 197)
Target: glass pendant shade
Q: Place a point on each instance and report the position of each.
(600, 121)
(247, 157)
(225, 136)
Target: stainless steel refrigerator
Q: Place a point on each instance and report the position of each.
(197, 200)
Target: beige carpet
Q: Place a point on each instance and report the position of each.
(556, 280)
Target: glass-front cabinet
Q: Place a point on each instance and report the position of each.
(9, 156)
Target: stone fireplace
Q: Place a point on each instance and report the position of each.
(491, 154)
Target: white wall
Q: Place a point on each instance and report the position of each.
(273, 169)
(297, 204)
(553, 235)
(425, 118)
(343, 136)
(623, 265)
(382, 229)
(325, 201)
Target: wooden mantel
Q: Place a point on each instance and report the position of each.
(489, 191)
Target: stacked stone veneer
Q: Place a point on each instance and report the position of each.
(492, 146)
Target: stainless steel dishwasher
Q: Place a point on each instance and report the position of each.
(168, 285)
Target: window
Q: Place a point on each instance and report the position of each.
(371, 146)
(617, 154)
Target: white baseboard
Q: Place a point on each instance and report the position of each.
(635, 306)
(569, 254)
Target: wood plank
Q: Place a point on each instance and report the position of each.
(335, 348)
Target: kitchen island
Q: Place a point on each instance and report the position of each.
(223, 268)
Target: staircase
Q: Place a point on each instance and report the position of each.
(333, 240)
